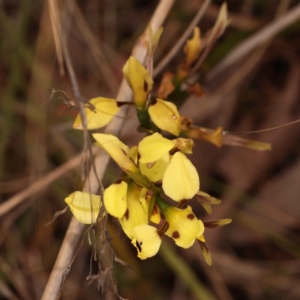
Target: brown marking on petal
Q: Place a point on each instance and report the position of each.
(153, 102)
(175, 235)
(174, 117)
(190, 216)
(138, 245)
(126, 215)
(150, 165)
(212, 224)
(118, 181)
(145, 86)
(155, 210)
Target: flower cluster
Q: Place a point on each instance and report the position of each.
(156, 167)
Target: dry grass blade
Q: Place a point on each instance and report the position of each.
(56, 28)
(257, 39)
(182, 39)
(40, 184)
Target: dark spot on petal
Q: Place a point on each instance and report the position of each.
(145, 86)
(118, 181)
(190, 216)
(175, 235)
(126, 215)
(138, 245)
(153, 102)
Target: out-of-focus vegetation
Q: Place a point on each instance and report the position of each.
(255, 257)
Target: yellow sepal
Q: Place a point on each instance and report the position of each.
(84, 206)
(139, 80)
(165, 116)
(118, 151)
(99, 112)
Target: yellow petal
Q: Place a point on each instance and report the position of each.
(193, 47)
(84, 206)
(146, 240)
(155, 171)
(184, 227)
(165, 116)
(136, 214)
(181, 180)
(154, 147)
(117, 150)
(139, 80)
(115, 199)
(99, 111)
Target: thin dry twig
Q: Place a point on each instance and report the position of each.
(66, 253)
(95, 49)
(258, 38)
(41, 184)
(182, 39)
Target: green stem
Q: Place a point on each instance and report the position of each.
(185, 273)
(162, 204)
(144, 118)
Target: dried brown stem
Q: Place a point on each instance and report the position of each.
(182, 39)
(257, 39)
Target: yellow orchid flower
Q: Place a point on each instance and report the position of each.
(84, 206)
(118, 151)
(115, 199)
(139, 80)
(136, 213)
(184, 227)
(181, 180)
(146, 240)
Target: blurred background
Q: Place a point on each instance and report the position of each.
(255, 257)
